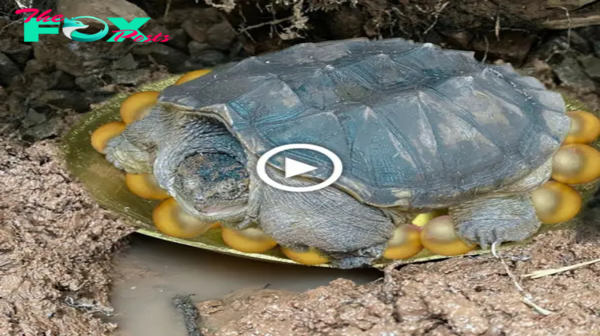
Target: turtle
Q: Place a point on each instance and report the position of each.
(417, 128)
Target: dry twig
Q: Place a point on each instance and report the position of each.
(543, 273)
(527, 298)
(436, 16)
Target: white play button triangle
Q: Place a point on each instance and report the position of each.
(294, 168)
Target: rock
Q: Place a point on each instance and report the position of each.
(58, 52)
(592, 35)
(196, 31)
(8, 70)
(460, 38)
(95, 66)
(36, 84)
(210, 57)
(513, 46)
(33, 118)
(62, 81)
(4, 21)
(33, 66)
(72, 57)
(572, 76)
(74, 70)
(125, 63)
(221, 35)
(18, 52)
(17, 105)
(101, 9)
(163, 54)
(132, 77)
(50, 128)
(591, 66)
(208, 16)
(196, 48)
(579, 43)
(63, 99)
(121, 49)
(347, 22)
(178, 38)
(90, 83)
(596, 46)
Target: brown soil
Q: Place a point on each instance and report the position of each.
(462, 296)
(51, 233)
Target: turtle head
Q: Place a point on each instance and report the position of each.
(215, 185)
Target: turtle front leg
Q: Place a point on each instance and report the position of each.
(496, 218)
(134, 150)
(349, 232)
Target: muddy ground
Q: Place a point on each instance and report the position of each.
(461, 296)
(57, 246)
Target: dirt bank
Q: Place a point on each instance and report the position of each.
(463, 296)
(56, 247)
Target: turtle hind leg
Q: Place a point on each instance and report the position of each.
(496, 218)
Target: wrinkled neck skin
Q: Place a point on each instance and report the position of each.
(200, 164)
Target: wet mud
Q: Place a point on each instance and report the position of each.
(150, 273)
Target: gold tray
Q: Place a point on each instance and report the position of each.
(106, 184)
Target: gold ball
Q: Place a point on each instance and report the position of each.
(170, 219)
(424, 218)
(190, 76)
(576, 164)
(405, 243)
(105, 133)
(311, 257)
(145, 186)
(251, 240)
(585, 127)
(555, 202)
(137, 105)
(439, 236)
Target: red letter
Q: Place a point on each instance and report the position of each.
(57, 18)
(156, 37)
(44, 16)
(138, 38)
(166, 38)
(27, 10)
(148, 38)
(121, 32)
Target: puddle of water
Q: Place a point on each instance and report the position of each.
(152, 271)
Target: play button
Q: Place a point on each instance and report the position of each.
(294, 168)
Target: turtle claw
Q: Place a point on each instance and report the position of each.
(496, 219)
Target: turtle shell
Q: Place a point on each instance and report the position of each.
(414, 125)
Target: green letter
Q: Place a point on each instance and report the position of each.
(33, 30)
(122, 24)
